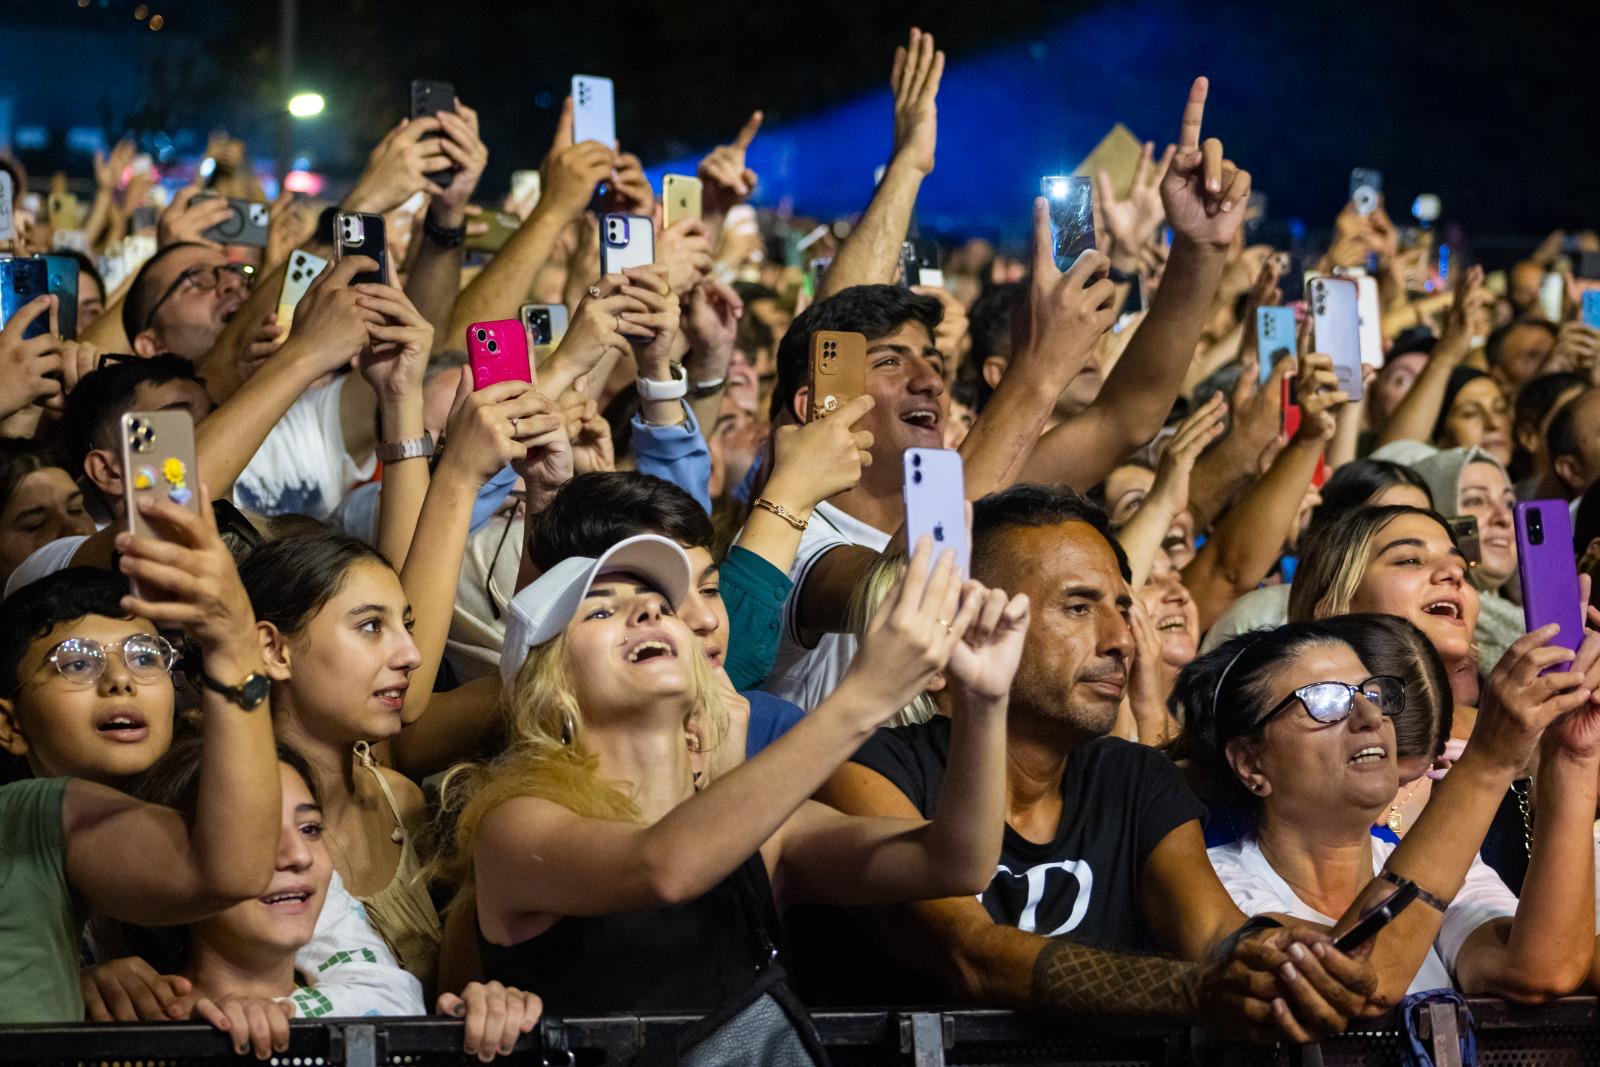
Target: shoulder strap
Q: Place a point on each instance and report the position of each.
(364, 756)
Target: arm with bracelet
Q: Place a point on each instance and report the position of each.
(667, 442)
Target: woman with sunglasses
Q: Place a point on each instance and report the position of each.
(1291, 725)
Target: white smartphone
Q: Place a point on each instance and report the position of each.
(303, 269)
(8, 226)
(594, 116)
(1336, 320)
(626, 241)
(936, 503)
(1553, 296)
(1371, 321)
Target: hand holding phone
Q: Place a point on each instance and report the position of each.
(1071, 200)
(1335, 311)
(498, 352)
(546, 323)
(1366, 189)
(936, 505)
(681, 199)
(838, 371)
(23, 281)
(1591, 308)
(594, 115)
(158, 463)
(428, 98)
(1548, 571)
(361, 234)
(1275, 337)
(1375, 920)
(626, 241)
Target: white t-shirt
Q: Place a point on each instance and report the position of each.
(1257, 888)
(44, 561)
(302, 467)
(349, 969)
(492, 558)
(802, 675)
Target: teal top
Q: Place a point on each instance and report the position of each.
(754, 591)
(39, 924)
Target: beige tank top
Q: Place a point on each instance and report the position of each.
(401, 912)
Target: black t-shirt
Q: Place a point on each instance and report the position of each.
(1119, 800)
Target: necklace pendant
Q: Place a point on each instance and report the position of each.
(397, 835)
(1395, 820)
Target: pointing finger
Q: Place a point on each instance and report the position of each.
(1194, 112)
(748, 133)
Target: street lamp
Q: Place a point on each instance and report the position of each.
(306, 105)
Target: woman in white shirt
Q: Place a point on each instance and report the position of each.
(1291, 727)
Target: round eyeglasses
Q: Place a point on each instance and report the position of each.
(1331, 702)
(82, 660)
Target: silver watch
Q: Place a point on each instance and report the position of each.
(411, 448)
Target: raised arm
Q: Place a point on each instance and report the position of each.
(435, 276)
(537, 856)
(871, 252)
(1416, 415)
(1205, 197)
(1249, 538)
(138, 862)
(1142, 534)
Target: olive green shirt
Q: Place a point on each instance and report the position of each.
(39, 923)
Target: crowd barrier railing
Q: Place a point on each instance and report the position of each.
(1566, 1032)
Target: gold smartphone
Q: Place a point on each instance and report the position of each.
(158, 462)
(681, 195)
(838, 371)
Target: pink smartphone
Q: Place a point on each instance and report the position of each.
(498, 352)
(936, 503)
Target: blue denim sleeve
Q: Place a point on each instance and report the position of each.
(675, 454)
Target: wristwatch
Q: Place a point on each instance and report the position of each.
(248, 694)
(676, 389)
(702, 389)
(411, 448)
(444, 236)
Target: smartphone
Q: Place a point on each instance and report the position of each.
(1464, 531)
(246, 224)
(1591, 308)
(1290, 407)
(303, 269)
(1275, 338)
(1336, 322)
(1291, 277)
(498, 352)
(1553, 296)
(546, 323)
(1376, 919)
(1587, 266)
(1548, 571)
(1071, 216)
(23, 281)
(158, 460)
(919, 264)
(1369, 320)
(429, 98)
(8, 193)
(626, 241)
(838, 370)
(815, 271)
(1366, 186)
(594, 116)
(681, 196)
(61, 278)
(502, 224)
(936, 503)
(360, 234)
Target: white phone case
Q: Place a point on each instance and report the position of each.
(626, 241)
(303, 269)
(8, 229)
(1371, 321)
(1336, 319)
(593, 111)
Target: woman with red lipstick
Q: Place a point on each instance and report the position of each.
(241, 962)
(1290, 725)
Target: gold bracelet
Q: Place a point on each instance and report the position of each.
(783, 513)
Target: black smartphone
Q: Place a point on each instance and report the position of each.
(430, 98)
(360, 234)
(1291, 277)
(61, 276)
(1464, 529)
(919, 263)
(248, 223)
(1071, 201)
(1376, 919)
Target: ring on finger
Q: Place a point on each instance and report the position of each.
(514, 420)
(594, 291)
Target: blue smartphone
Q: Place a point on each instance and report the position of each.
(1274, 337)
(1591, 308)
(22, 281)
(1071, 200)
(936, 503)
(61, 275)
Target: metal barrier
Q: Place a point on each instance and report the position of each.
(1565, 1033)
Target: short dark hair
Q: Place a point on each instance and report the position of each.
(143, 292)
(750, 292)
(1561, 436)
(1031, 506)
(989, 322)
(873, 310)
(1497, 339)
(38, 607)
(1388, 644)
(290, 579)
(103, 396)
(20, 458)
(594, 511)
(1355, 484)
(1537, 397)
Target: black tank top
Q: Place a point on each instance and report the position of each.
(688, 958)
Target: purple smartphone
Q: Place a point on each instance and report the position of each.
(1549, 571)
(936, 503)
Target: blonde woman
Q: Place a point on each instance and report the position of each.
(612, 879)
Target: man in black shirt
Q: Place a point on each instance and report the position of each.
(1103, 861)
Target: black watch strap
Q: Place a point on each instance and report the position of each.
(444, 236)
(248, 694)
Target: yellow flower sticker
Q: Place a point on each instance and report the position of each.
(173, 471)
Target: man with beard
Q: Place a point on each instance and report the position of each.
(1103, 861)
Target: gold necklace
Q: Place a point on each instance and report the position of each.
(1395, 820)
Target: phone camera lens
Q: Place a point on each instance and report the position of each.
(916, 477)
(494, 346)
(916, 461)
(481, 335)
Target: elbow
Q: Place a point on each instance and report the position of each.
(1520, 983)
(670, 877)
(231, 884)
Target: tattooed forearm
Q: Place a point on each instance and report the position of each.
(1076, 979)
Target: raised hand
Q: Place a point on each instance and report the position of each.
(1170, 490)
(658, 323)
(952, 329)
(291, 223)
(685, 250)
(571, 171)
(1203, 192)
(1066, 312)
(587, 430)
(1577, 349)
(1264, 293)
(1319, 396)
(507, 422)
(189, 216)
(494, 1015)
(918, 67)
(108, 172)
(1520, 700)
(596, 329)
(711, 324)
(29, 370)
(630, 192)
(396, 356)
(398, 167)
(469, 155)
(820, 459)
(330, 321)
(725, 180)
(1133, 219)
(985, 660)
(1468, 316)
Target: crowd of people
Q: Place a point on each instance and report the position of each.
(622, 689)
